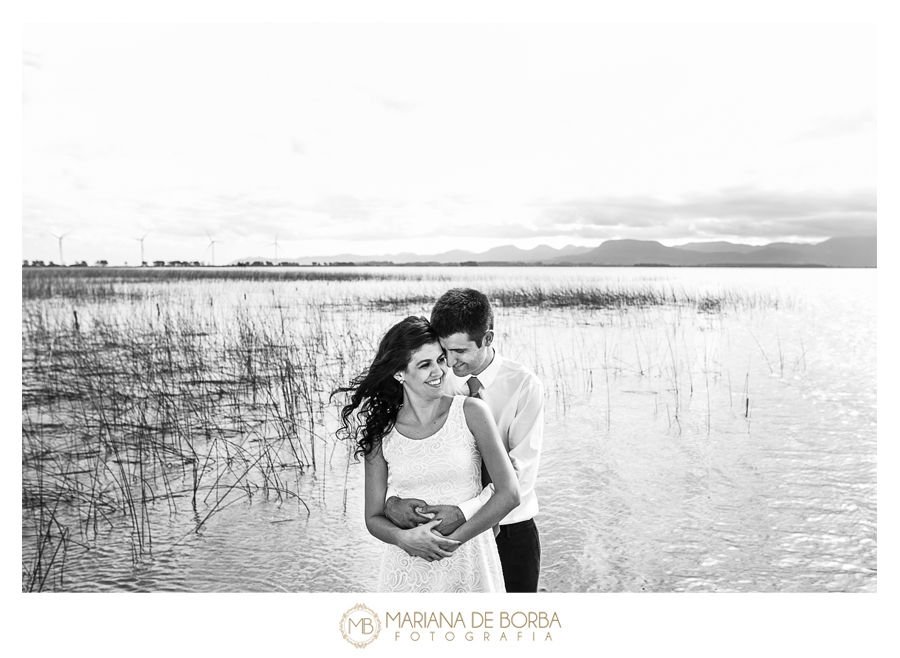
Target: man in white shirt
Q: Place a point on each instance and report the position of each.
(464, 321)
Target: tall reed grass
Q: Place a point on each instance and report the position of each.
(151, 390)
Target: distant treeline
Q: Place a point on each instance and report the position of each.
(382, 263)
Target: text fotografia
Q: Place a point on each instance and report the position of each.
(479, 626)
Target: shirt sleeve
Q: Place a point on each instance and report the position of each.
(526, 435)
(469, 507)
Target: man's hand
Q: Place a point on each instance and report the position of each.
(450, 516)
(404, 512)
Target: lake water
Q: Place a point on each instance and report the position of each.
(729, 449)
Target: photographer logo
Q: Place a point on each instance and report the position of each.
(360, 626)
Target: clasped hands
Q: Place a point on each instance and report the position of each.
(427, 529)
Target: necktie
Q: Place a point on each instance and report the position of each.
(475, 387)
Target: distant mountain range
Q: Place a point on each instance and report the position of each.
(834, 252)
(505, 254)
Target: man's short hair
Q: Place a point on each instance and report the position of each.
(463, 310)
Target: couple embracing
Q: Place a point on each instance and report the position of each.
(449, 456)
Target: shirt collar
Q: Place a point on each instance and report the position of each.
(489, 374)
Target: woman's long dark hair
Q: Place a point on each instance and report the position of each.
(376, 396)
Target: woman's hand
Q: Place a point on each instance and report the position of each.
(456, 537)
(450, 516)
(426, 543)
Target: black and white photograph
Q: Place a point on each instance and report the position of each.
(373, 307)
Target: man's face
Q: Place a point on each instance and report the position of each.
(464, 356)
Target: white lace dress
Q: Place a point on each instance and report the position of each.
(442, 469)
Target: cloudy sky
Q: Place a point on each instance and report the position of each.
(375, 139)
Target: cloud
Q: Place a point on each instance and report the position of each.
(298, 146)
(397, 105)
(393, 101)
(258, 216)
(837, 126)
(729, 212)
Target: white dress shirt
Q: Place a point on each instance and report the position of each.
(515, 397)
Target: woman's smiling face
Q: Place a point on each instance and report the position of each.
(425, 371)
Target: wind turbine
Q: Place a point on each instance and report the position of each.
(212, 245)
(60, 238)
(276, 248)
(141, 240)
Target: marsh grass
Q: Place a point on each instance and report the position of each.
(134, 411)
(149, 391)
(384, 287)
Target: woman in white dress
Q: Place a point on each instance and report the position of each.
(429, 446)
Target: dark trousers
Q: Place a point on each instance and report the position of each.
(520, 555)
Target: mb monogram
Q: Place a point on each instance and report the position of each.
(360, 626)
